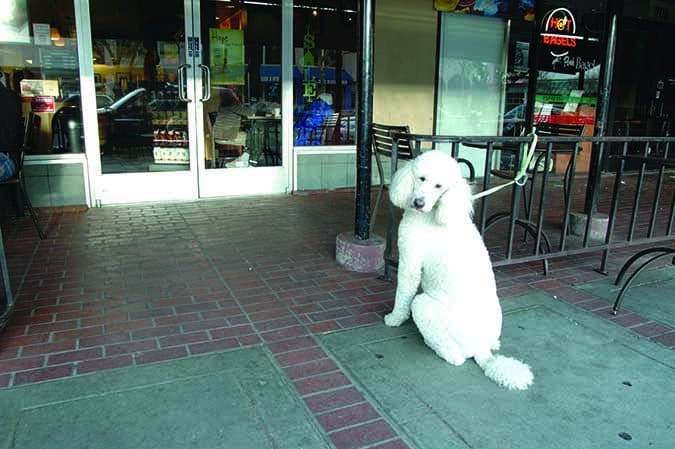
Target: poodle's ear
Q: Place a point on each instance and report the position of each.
(455, 203)
(402, 185)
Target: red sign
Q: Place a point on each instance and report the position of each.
(42, 104)
(559, 32)
(560, 20)
(558, 40)
(565, 119)
(561, 49)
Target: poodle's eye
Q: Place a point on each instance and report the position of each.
(438, 186)
(422, 178)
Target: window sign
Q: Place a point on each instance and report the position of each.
(227, 56)
(309, 81)
(36, 88)
(562, 49)
(43, 104)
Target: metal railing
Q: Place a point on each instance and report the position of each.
(550, 227)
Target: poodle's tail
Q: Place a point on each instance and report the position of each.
(506, 371)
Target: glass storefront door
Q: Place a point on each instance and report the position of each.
(141, 68)
(189, 108)
(241, 103)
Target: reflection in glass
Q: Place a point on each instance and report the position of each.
(38, 62)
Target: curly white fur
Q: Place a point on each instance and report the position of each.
(458, 312)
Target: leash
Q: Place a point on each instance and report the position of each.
(521, 175)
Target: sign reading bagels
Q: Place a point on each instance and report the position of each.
(559, 32)
(562, 50)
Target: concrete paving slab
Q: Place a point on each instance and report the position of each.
(596, 384)
(652, 294)
(237, 399)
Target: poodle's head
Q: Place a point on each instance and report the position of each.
(432, 182)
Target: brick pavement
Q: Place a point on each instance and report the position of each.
(128, 285)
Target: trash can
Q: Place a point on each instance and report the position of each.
(67, 130)
(75, 137)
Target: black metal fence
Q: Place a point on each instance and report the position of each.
(633, 204)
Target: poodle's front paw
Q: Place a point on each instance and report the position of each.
(393, 320)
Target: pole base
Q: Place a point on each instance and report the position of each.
(363, 256)
(598, 229)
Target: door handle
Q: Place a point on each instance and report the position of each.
(182, 88)
(206, 88)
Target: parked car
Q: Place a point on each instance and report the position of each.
(102, 100)
(127, 122)
(513, 121)
(123, 123)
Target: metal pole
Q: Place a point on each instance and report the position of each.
(366, 15)
(595, 167)
(533, 67)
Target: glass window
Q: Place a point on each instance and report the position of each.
(517, 79)
(569, 58)
(39, 64)
(325, 41)
(470, 81)
(645, 79)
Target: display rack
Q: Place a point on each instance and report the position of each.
(170, 133)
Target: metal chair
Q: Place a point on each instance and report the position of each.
(330, 132)
(382, 147)
(271, 147)
(31, 130)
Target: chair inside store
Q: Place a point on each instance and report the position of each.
(330, 131)
(16, 182)
(327, 132)
(382, 147)
(229, 138)
(346, 129)
(271, 142)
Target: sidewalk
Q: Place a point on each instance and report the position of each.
(227, 323)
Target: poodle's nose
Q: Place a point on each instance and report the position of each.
(418, 203)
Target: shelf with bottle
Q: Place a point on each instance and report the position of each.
(169, 117)
(171, 138)
(171, 155)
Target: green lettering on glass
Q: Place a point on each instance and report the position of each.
(308, 43)
(309, 85)
(310, 90)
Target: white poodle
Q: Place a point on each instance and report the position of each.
(458, 311)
